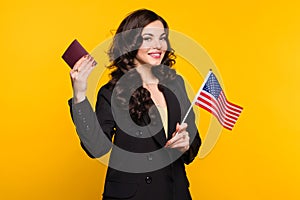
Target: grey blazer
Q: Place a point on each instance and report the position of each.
(140, 167)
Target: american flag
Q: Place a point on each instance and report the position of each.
(212, 98)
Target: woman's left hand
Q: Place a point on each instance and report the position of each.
(180, 138)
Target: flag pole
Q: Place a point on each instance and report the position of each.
(195, 99)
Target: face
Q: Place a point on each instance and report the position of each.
(154, 44)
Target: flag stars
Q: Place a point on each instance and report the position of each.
(212, 86)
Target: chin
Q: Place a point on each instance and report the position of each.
(155, 63)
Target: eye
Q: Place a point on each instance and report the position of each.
(163, 38)
(148, 39)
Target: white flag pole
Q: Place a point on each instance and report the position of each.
(195, 99)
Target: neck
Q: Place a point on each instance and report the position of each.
(146, 74)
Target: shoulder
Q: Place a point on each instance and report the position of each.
(105, 91)
(177, 86)
(176, 83)
(179, 79)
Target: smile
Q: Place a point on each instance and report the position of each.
(155, 55)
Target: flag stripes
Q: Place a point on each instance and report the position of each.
(213, 99)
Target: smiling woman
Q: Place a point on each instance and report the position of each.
(150, 148)
(154, 44)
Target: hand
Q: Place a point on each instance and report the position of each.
(180, 138)
(79, 75)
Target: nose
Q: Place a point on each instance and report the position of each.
(157, 44)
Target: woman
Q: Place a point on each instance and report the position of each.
(139, 109)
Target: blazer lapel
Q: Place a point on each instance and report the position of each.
(174, 113)
(155, 128)
(173, 110)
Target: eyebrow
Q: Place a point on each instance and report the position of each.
(150, 34)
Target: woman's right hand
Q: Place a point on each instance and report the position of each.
(79, 75)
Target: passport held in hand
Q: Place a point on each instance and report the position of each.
(73, 53)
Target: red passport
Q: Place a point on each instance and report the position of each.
(73, 53)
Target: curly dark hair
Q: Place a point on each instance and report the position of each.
(122, 53)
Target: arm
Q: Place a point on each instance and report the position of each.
(195, 140)
(93, 140)
(186, 137)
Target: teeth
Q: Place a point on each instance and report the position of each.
(154, 54)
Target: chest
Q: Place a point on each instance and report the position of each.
(150, 133)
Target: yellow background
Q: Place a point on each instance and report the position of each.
(255, 45)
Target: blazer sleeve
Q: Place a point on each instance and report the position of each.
(195, 140)
(95, 140)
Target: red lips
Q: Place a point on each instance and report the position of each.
(155, 54)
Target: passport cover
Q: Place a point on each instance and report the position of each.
(73, 53)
